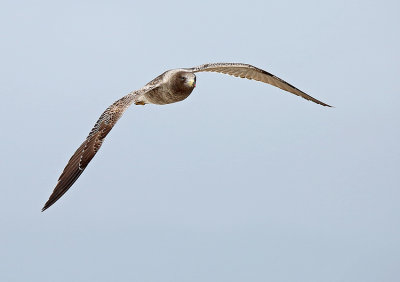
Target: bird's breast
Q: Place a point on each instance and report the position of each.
(167, 96)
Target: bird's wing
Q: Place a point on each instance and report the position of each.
(251, 72)
(88, 149)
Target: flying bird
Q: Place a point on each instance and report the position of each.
(170, 87)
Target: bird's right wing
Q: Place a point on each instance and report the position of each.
(88, 149)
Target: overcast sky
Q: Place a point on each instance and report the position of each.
(240, 182)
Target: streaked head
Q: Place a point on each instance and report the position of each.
(188, 79)
(185, 80)
(180, 84)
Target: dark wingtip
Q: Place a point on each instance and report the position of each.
(45, 208)
(321, 103)
(47, 205)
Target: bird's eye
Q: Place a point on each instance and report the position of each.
(183, 78)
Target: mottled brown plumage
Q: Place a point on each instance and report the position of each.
(170, 87)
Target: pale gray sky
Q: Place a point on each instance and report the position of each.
(240, 182)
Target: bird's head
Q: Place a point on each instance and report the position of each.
(185, 80)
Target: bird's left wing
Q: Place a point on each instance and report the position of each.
(252, 72)
(88, 149)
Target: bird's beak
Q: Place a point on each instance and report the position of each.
(192, 82)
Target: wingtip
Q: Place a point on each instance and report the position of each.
(46, 206)
(322, 103)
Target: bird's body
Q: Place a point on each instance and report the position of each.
(167, 89)
(170, 87)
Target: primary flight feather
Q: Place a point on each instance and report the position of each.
(170, 87)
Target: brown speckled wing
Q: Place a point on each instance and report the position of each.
(88, 149)
(251, 72)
